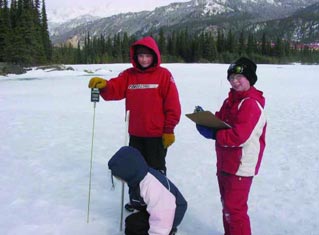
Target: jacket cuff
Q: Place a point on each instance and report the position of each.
(168, 130)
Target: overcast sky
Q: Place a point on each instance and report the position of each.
(123, 5)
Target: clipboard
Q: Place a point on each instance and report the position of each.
(207, 118)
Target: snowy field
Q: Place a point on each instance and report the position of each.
(46, 130)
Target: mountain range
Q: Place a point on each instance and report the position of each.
(293, 19)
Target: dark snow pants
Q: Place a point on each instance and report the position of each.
(152, 150)
(137, 223)
(234, 192)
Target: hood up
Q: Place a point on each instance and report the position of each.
(129, 165)
(151, 44)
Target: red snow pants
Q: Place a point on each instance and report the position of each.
(234, 192)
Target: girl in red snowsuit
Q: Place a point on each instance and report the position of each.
(239, 149)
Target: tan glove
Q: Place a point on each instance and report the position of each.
(168, 139)
(97, 82)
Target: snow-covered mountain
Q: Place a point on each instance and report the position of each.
(199, 15)
(302, 26)
(99, 8)
(60, 16)
(55, 27)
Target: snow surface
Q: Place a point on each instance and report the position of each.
(46, 130)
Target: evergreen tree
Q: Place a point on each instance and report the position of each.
(208, 47)
(287, 49)
(230, 44)
(87, 45)
(202, 47)
(241, 44)
(26, 44)
(196, 54)
(264, 44)
(125, 48)
(3, 33)
(220, 41)
(117, 49)
(5, 30)
(279, 48)
(39, 53)
(79, 59)
(171, 45)
(183, 43)
(162, 42)
(109, 48)
(250, 44)
(47, 46)
(21, 36)
(14, 13)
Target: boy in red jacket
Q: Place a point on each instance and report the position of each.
(152, 99)
(239, 149)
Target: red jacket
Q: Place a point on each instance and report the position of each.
(151, 95)
(240, 149)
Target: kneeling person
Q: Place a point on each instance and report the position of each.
(161, 206)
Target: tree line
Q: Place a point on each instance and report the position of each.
(24, 39)
(24, 36)
(184, 47)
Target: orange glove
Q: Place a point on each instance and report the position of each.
(97, 82)
(168, 139)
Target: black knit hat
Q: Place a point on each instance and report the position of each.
(245, 67)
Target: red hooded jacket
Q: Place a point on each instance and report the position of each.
(240, 149)
(151, 95)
